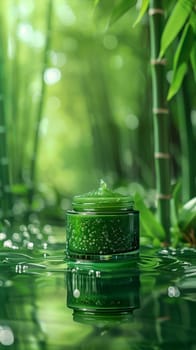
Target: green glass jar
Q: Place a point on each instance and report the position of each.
(102, 291)
(103, 225)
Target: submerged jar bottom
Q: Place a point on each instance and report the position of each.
(102, 317)
(102, 257)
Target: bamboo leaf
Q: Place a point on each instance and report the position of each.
(175, 200)
(177, 80)
(181, 59)
(184, 47)
(95, 5)
(143, 9)
(193, 21)
(176, 21)
(187, 215)
(120, 9)
(96, 2)
(149, 222)
(193, 59)
(193, 51)
(19, 189)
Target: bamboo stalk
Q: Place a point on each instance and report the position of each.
(41, 103)
(108, 129)
(14, 100)
(26, 128)
(95, 132)
(104, 132)
(187, 143)
(5, 190)
(160, 118)
(112, 132)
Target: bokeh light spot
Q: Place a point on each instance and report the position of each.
(6, 336)
(52, 76)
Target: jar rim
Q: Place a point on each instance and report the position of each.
(103, 204)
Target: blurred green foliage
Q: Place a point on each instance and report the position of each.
(77, 96)
(92, 114)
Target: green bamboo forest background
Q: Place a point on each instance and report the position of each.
(99, 89)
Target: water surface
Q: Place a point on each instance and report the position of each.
(151, 302)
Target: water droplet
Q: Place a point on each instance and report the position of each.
(8, 283)
(6, 336)
(2, 236)
(45, 245)
(76, 293)
(8, 244)
(26, 234)
(51, 239)
(91, 272)
(47, 229)
(23, 228)
(39, 236)
(173, 292)
(16, 237)
(30, 245)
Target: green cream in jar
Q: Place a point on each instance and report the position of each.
(103, 225)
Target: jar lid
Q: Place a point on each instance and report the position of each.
(102, 200)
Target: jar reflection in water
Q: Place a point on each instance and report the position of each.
(102, 290)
